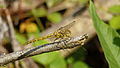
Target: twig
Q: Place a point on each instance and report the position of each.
(11, 31)
(13, 41)
(63, 44)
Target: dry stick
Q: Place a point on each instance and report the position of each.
(63, 44)
(11, 30)
(14, 42)
(12, 35)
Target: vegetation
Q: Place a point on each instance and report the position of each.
(33, 19)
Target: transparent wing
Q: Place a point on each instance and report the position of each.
(61, 33)
(68, 25)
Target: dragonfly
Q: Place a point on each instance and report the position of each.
(61, 33)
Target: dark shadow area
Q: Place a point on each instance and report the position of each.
(79, 54)
(95, 56)
(116, 41)
(118, 31)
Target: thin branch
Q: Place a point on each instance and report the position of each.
(11, 31)
(13, 40)
(63, 44)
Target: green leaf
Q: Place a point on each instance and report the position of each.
(2, 6)
(51, 3)
(34, 34)
(115, 22)
(27, 2)
(55, 17)
(70, 60)
(83, 1)
(40, 42)
(46, 58)
(109, 39)
(21, 38)
(80, 64)
(114, 9)
(58, 63)
(39, 12)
